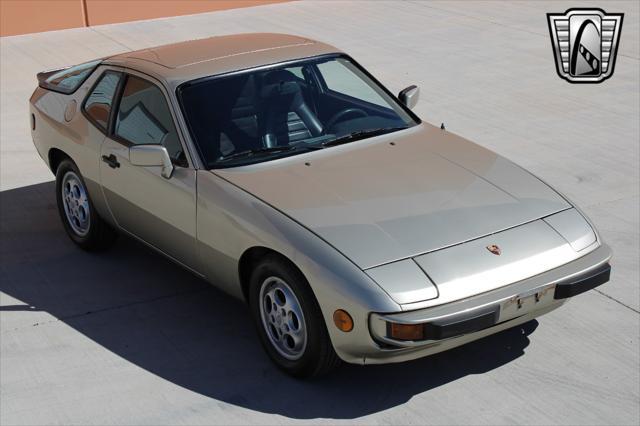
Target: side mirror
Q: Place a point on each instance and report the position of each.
(151, 156)
(409, 96)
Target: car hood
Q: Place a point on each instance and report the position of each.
(399, 195)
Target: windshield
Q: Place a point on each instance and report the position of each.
(259, 115)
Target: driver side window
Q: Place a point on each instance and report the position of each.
(144, 118)
(341, 78)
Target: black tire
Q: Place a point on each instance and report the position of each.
(98, 234)
(318, 357)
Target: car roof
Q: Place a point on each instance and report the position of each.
(187, 60)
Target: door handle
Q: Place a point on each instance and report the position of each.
(111, 160)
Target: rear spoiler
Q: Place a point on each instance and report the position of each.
(66, 80)
(44, 75)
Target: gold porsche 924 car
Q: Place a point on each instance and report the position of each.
(282, 172)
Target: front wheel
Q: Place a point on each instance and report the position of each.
(289, 320)
(79, 217)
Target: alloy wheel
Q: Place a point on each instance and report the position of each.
(76, 203)
(282, 318)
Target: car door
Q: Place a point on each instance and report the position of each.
(160, 211)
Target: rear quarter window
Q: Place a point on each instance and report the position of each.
(69, 79)
(97, 106)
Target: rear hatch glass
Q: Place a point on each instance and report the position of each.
(67, 80)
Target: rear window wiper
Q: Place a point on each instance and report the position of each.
(361, 134)
(250, 152)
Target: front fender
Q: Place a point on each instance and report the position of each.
(231, 221)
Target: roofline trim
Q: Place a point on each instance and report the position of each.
(266, 49)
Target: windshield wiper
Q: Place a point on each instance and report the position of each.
(361, 134)
(250, 152)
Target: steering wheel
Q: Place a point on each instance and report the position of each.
(340, 115)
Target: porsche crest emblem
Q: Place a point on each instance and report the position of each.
(494, 249)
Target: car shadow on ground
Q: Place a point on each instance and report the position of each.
(156, 315)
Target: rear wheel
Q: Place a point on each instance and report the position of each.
(289, 320)
(80, 220)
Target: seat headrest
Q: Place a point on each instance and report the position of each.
(279, 76)
(285, 88)
(280, 83)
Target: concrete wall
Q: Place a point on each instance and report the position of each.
(29, 16)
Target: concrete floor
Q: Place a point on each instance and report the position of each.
(128, 338)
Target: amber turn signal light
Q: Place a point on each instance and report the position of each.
(406, 331)
(343, 320)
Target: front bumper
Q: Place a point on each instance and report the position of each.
(454, 324)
